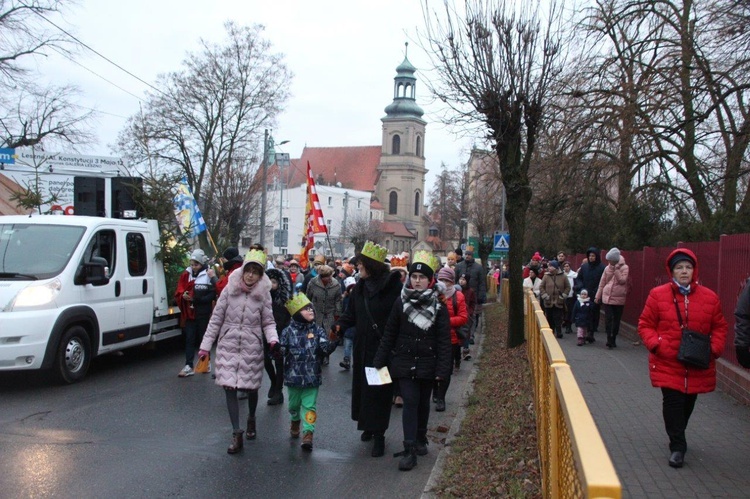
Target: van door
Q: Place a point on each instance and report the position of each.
(105, 299)
(138, 287)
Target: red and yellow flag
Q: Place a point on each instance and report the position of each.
(315, 223)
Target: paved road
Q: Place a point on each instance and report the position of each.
(132, 428)
(627, 411)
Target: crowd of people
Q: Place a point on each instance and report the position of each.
(416, 318)
(674, 318)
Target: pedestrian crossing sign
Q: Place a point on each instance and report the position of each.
(502, 242)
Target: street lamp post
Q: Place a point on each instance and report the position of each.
(264, 186)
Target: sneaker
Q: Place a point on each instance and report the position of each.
(209, 369)
(186, 371)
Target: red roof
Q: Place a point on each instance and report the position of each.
(375, 205)
(8, 207)
(397, 229)
(355, 167)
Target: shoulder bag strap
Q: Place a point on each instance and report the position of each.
(369, 315)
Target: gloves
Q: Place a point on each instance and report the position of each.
(743, 356)
(334, 335)
(275, 349)
(203, 353)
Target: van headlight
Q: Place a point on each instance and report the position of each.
(36, 295)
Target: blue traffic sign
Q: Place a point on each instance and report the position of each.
(502, 242)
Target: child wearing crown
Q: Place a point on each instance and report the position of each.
(303, 343)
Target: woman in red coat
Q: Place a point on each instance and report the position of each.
(682, 300)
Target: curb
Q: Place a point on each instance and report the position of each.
(437, 469)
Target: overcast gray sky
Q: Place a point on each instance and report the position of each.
(343, 55)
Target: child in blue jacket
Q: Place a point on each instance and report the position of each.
(303, 343)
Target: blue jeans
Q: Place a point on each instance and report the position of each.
(348, 343)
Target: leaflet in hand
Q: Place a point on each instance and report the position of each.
(377, 376)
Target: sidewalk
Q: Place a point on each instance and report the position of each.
(627, 411)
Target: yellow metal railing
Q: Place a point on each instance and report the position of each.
(572, 455)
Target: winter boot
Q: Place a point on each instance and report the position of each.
(614, 345)
(236, 444)
(378, 445)
(421, 444)
(250, 435)
(590, 338)
(307, 440)
(346, 363)
(408, 456)
(277, 398)
(294, 429)
(580, 342)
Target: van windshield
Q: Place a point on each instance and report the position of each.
(33, 251)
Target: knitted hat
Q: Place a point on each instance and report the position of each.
(349, 281)
(680, 257)
(613, 255)
(199, 256)
(325, 271)
(230, 253)
(555, 264)
(446, 273)
(537, 257)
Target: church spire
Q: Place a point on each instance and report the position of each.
(404, 91)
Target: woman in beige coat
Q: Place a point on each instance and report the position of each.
(241, 317)
(553, 291)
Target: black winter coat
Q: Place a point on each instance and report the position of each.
(590, 274)
(416, 353)
(371, 405)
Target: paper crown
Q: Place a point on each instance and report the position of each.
(374, 251)
(297, 303)
(400, 261)
(469, 248)
(424, 256)
(256, 256)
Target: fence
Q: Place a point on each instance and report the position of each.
(723, 266)
(572, 455)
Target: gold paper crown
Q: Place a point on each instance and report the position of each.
(256, 256)
(424, 256)
(470, 248)
(297, 303)
(400, 261)
(374, 251)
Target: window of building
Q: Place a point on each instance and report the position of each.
(419, 146)
(136, 248)
(247, 241)
(396, 145)
(329, 225)
(330, 201)
(359, 204)
(285, 223)
(392, 203)
(416, 204)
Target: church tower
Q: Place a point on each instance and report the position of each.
(400, 187)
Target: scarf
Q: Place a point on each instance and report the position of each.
(420, 306)
(449, 291)
(374, 284)
(244, 287)
(684, 290)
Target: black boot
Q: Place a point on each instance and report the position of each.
(609, 341)
(590, 338)
(250, 435)
(378, 445)
(421, 444)
(409, 456)
(277, 397)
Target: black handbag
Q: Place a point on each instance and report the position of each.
(695, 347)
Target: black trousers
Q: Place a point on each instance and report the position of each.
(676, 409)
(555, 318)
(594, 327)
(612, 318)
(416, 413)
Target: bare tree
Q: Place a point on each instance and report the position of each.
(495, 63)
(445, 201)
(360, 229)
(25, 33)
(208, 121)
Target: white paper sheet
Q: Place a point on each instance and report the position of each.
(377, 377)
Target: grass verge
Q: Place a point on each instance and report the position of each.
(495, 452)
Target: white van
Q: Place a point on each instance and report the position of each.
(73, 287)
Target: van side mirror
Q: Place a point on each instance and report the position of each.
(93, 272)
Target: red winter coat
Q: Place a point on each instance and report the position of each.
(458, 317)
(660, 331)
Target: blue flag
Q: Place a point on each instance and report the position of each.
(186, 210)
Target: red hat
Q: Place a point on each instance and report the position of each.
(537, 257)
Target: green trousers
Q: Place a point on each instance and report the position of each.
(302, 403)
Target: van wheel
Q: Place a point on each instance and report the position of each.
(73, 355)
